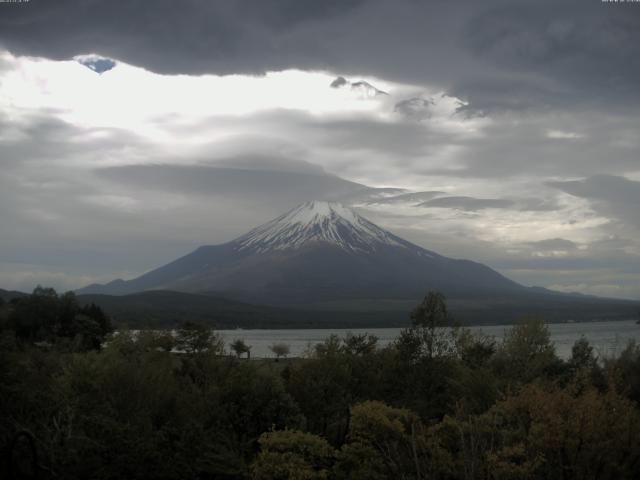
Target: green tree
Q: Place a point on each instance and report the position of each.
(429, 336)
(565, 434)
(363, 344)
(323, 389)
(432, 312)
(193, 337)
(44, 316)
(330, 347)
(239, 347)
(34, 318)
(280, 350)
(624, 370)
(542, 432)
(99, 316)
(159, 340)
(475, 349)
(87, 334)
(423, 376)
(526, 353)
(292, 455)
(584, 367)
(582, 355)
(384, 442)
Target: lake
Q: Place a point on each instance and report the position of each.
(607, 338)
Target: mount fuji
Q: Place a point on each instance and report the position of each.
(318, 251)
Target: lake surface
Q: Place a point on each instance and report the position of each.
(607, 338)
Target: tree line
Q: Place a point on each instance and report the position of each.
(79, 401)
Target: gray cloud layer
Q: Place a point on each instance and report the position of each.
(498, 54)
(283, 188)
(468, 203)
(613, 196)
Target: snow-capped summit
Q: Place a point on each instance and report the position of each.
(313, 222)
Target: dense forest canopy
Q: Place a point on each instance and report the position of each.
(78, 401)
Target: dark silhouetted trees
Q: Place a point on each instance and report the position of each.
(45, 316)
(239, 347)
(194, 337)
(280, 350)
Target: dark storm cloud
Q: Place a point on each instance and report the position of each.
(191, 36)
(585, 46)
(497, 54)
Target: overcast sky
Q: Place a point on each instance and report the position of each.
(506, 132)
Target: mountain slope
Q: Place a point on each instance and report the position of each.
(317, 251)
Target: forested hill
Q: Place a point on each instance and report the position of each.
(7, 295)
(166, 309)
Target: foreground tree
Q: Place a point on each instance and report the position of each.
(545, 432)
(292, 455)
(527, 353)
(383, 442)
(625, 370)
